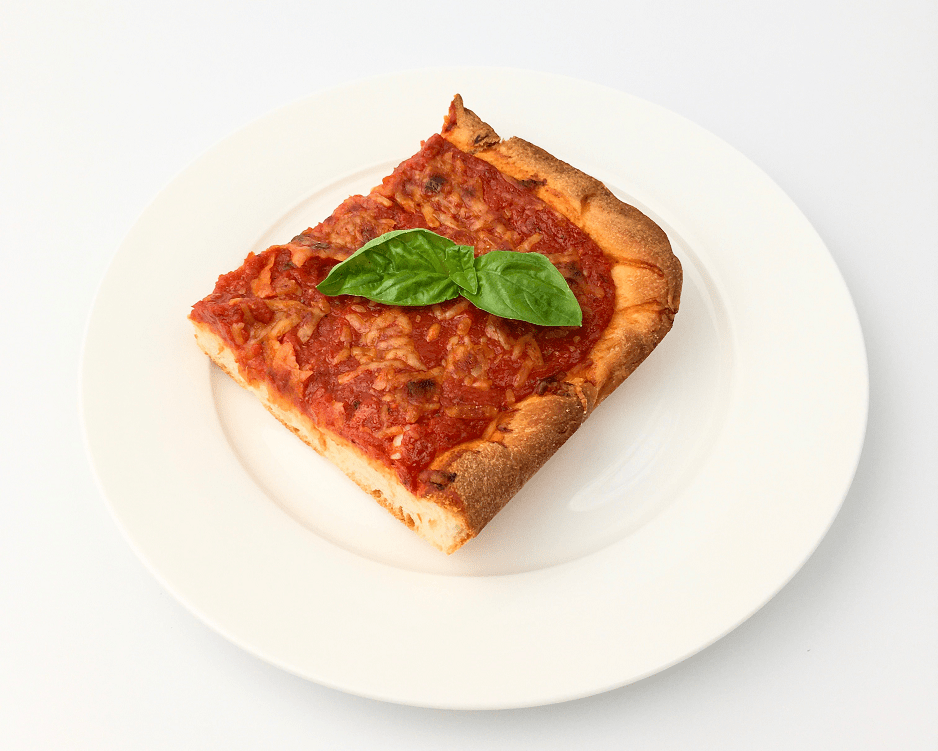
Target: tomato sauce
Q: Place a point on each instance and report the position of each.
(405, 384)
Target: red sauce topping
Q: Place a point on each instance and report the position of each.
(405, 384)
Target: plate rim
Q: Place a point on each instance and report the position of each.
(554, 695)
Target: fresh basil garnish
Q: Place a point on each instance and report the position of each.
(460, 261)
(404, 267)
(524, 286)
(420, 267)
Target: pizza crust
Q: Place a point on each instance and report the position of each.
(436, 522)
(648, 280)
(473, 481)
(647, 275)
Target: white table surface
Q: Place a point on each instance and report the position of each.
(102, 104)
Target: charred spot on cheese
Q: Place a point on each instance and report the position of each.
(434, 183)
(305, 238)
(406, 385)
(421, 388)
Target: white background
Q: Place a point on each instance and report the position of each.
(102, 104)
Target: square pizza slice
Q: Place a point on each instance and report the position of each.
(442, 412)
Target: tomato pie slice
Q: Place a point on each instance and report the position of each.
(442, 412)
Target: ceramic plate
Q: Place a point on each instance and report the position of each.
(686, 502)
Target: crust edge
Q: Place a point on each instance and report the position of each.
(648, 275)
(444, 527)
(482, 476)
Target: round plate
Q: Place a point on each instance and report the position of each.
(688, 499)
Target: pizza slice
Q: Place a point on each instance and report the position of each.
(442, 412)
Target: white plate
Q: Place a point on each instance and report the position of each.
(688, 500)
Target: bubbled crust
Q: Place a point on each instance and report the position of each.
(480, 477)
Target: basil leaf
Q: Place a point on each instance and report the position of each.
(420, 267)
(526, 287)
(460, 261)
(403, 267)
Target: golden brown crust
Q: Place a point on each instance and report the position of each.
(486, 474)
(473, 481)
(648, 281)
(647, 274)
